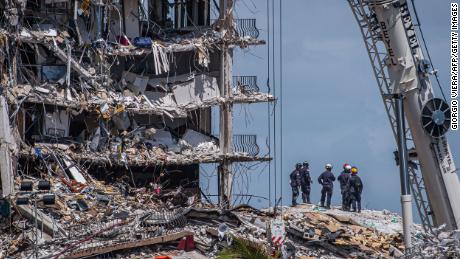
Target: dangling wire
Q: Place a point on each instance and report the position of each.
(268, 108)
(281, 96)
(274, 105)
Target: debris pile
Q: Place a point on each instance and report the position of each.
(103, 219)
(92, 217)
(439, 244)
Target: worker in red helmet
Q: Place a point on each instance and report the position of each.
(355, 186)
(343, 180)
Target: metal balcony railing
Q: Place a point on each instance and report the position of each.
(244, 27)
(247, 27)
(246, 144)
(245, 83)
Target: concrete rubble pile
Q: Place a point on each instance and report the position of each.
(438, 244)
(124, 222)
(316, 232)
(113, 217)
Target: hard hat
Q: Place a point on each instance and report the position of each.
(354, 170)
(328, 166)
(347, 167)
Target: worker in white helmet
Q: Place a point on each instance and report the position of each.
(343, 180)
(326, 179)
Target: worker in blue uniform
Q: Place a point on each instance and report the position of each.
(355, 186)
(295, 177)
(305, 182)
(326, 179)
(343, 180)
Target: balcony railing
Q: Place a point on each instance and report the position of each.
(244, 27)
(246, 144)
(245, 83)
(247, 27)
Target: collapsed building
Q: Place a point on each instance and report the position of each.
(106, 115)
(108, 104)
(118, 84)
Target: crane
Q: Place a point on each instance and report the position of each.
(399, 65)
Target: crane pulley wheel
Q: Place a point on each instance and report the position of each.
(436, 117)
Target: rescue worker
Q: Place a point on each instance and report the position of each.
(343, 179)
(295, 183)
(305, 181)
(356, 188)
(326, 179)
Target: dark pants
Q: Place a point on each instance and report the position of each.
(295, 194)
(345, 200)
(306, 194)
(326, 195)
(356, 201)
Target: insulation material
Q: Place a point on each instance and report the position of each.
(57, 124)
(160, 59)
(195, 138)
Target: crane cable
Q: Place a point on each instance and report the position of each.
(435, 73)
(275, 103)
(268, 108)
(281, 97)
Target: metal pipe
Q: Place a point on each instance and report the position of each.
(402, 146)
(406, 197)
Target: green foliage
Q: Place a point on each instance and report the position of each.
(243, 249)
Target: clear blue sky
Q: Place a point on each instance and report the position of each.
(333, 111)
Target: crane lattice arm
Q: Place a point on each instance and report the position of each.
(400, 68)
